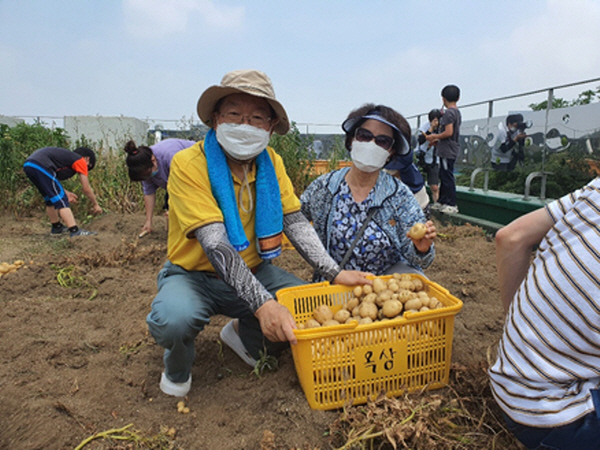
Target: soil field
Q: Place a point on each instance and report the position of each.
(77, 359)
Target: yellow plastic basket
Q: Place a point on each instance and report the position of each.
(351, 363)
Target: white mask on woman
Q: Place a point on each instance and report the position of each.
(242, 141)
(368, 156)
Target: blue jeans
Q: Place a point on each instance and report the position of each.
(583, 434)
(187, 299)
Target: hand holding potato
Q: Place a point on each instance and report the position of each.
(422, 235)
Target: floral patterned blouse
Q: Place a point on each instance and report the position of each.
(373, 250)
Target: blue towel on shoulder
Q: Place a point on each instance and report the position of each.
(268, 208)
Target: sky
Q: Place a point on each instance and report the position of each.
(152, 59)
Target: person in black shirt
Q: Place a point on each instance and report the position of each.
(45, 168)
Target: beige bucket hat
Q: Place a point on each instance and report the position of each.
(251, 82)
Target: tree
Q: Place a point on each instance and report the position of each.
(585, 98)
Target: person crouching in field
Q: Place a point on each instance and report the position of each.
(151, 166)
(46, 167)
(363, 214)
(230, 200)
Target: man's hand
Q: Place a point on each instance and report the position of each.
(72, 197)
(96, 210)
(424, 244)
(276, 322)
(520, 136)
(353, 278)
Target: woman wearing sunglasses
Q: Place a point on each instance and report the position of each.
(363, 214)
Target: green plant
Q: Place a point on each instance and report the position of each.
(338, 153)
(298, 160)
(16, 144)
(69, 278)
(568, 170)
(584, 98)
(265, 362)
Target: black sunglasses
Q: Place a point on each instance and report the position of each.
(383, 141)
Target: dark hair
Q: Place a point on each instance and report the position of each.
(85, 151)
(434, 114)
(451, 93)
(139, 161)
(389, 114)
(514, 118)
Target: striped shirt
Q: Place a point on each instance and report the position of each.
(549, 354)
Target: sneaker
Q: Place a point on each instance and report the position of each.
(82, 232)
(231, 338)
(60, 230)
(175, 389)
(447, 209)
(436, 206)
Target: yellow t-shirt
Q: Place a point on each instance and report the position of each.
(192, 205)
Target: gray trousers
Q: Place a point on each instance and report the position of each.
(187, 299)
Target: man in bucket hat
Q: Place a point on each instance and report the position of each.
(230, 200)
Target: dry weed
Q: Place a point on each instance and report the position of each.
(462, 416)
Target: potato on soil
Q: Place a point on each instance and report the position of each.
(322, 313)
(417, 231)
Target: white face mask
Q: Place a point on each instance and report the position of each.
(242, 141)
(368, 156)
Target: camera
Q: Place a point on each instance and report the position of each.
(522, 126)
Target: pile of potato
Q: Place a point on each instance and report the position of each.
(385, 300)
(6, 268)
(182, 409)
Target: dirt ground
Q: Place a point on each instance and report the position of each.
(77, 358)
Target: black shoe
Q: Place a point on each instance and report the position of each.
(59, 230)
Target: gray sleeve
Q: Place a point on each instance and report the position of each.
(306, 241)
(230, 266)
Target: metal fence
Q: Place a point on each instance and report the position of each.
(551, 130)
